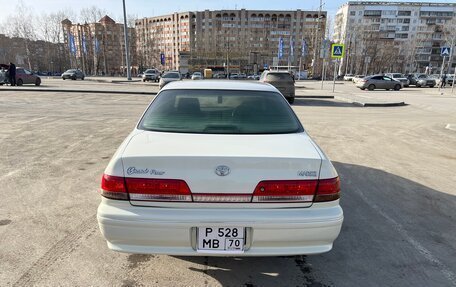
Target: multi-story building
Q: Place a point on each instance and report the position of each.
(99, 48)
(228, 40)
(395, 36)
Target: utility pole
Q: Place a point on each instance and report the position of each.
(127, 50)
(317, 41)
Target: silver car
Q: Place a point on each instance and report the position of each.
(169, 77)
(399, 77)
(151, 75)
(378, 82)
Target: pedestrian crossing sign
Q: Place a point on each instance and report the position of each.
(337, 51)
(445, 51)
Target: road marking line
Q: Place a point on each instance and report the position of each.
(421, 249)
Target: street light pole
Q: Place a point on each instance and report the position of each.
(127, 52)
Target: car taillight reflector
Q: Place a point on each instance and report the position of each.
(285, 191)
(113, 187)
(328, 190)
(146, 189)
(222, 198)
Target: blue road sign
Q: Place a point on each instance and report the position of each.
(265, 66)
(445, 51)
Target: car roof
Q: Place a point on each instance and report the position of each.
(220, 85)
(278, 72)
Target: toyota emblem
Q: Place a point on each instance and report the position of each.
(222, 170)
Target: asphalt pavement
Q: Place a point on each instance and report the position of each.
(396, 166)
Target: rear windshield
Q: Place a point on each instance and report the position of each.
(398, 76)
(220, 112)
(171, 75)
(70, 71)
(150, 71)
(278, 77)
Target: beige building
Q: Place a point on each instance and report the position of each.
(99, 48)
(228, 40)
(394, 36)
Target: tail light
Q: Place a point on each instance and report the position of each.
(113, 187)
(145, 189)
(285, 191)
(158, 189)
(328, 190)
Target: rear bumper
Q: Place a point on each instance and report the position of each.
(172, 231)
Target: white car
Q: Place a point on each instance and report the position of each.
(197, 76)
(220, 168)
(348, 77)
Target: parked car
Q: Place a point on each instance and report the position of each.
(73, 74)
(378, 82)
(242, 76)
(24, 76)
(234, 76)
(450, 78)
(219, 76)
(169, 77)
(282, 80)
(220, 168)
(348, 77)
(399, 77)
(197, 76)
(3, 74)
(253, 77)
(356, 78)
(423, 80)
(151, 75)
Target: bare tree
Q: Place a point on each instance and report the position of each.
(24, 29)
(91, 14)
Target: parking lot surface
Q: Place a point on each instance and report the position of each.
(397, 167)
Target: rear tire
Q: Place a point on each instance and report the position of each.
(19, 82)
(418, 86)
(371, 87)
(363, 89)
(73, 78)
(82, 79)
(290, 100)
(397, 87)
(432, 86)
(37, 82)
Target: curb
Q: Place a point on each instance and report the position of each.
(373, 104)
(79, 91)
(314, 97)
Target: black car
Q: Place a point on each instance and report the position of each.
(73, 74)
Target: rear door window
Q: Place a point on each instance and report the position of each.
(279, 77)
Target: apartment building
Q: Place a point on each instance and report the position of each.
(228, 40)
(99, 48)
(395, 36)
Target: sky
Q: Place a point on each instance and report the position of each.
(149, 8)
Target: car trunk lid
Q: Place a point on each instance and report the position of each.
(202, 159)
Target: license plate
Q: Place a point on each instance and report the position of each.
(221, 239)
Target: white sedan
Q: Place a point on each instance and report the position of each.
(197, 76)
(217, 168)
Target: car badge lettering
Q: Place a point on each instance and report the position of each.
(307, 173)
(222, 170)
(133, 170)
